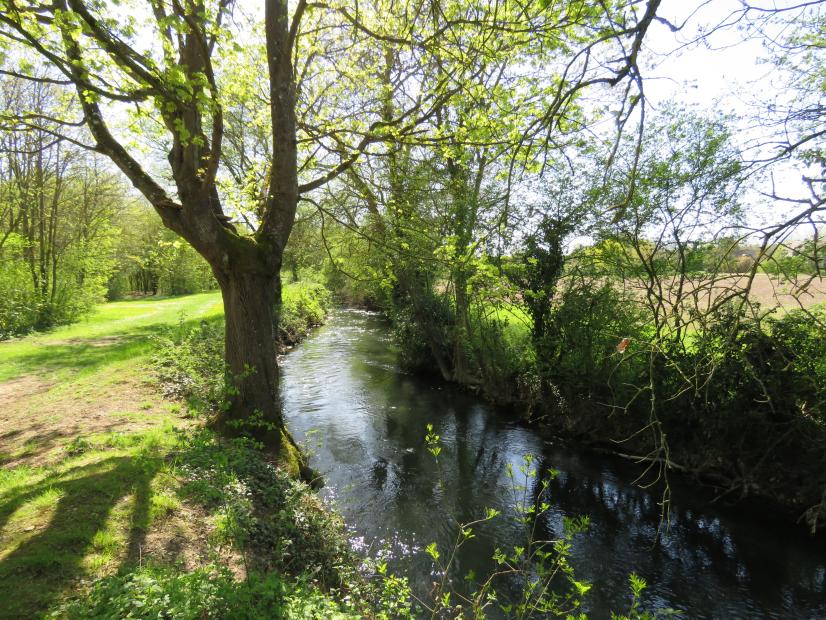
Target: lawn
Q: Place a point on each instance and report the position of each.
(88, 378)
(97, 463)
(87, 484)
(114, 333)
(112, 501)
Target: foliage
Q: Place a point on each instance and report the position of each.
(587, 325)
(189, 363)
(773, 370)
(533, 580)
(276, 520)
(57, 207)
(189, 359)
(752, 395)
(153, 260)
(152, 592)
(304, 305)
(791, 261)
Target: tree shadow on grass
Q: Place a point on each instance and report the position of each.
(50, 560)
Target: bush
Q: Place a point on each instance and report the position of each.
(74, 286)
(769, 372)
(417, 331)
(578, 352)
(211, 592)
(189, 362)
(746, 401)
(303, 306)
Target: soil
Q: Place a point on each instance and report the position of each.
(38, 418)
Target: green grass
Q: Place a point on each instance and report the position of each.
(86, 522)
(100, 511)
(81, 519)
(117, 335)
(114, 334)
(86, 515)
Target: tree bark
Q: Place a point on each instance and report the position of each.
(251, 298)
(250, 343)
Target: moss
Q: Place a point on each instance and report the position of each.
(293, 461)
(290, 458)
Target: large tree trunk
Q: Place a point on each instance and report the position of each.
(251, 349)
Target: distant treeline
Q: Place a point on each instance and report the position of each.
(71, 232)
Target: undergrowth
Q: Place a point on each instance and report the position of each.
(296, 562)
(189, 358)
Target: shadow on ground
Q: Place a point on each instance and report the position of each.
(41, 562)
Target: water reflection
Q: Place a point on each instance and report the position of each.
(342, 387)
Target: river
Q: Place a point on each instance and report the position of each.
(363, 420)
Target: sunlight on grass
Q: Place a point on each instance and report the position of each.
(47, 499)
(28, 520)
(83, 517)
(106, 541)
(115, 333)
(162, 505)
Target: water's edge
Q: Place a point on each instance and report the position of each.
(364, 420)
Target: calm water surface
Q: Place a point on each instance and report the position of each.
(346, 398)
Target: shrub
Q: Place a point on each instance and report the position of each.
(189, 361)
(211, 592)
(420, 327)
(76, 284)
(303, 306)
(578, 352)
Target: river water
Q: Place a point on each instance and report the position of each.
(364, 421)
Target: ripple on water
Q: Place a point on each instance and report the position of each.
(343, 391)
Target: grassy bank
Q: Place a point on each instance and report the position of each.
(734, 396)
(114, 501)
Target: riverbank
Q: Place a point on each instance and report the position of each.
(737, 407)
(788, 481)
(366, 419)
(115, 500)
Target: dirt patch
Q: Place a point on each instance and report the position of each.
(103, 341)
(39, 420)
(14, 390)
(183, 540)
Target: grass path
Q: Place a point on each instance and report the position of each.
(113, 332)
(90, 377)
(86, 484)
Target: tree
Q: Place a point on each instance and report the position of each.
(166, 59)
(55, 212)
(786, 128)
(686, 184)
(441, 197)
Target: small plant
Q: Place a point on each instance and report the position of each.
(546, 580)
(78, 446)
(275, 520)
(189, 362)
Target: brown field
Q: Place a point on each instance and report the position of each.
(771, 292)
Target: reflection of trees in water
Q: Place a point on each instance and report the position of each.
(697, 557)
(702, 562)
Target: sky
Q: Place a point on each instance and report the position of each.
(704, 74)
(724, 73)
